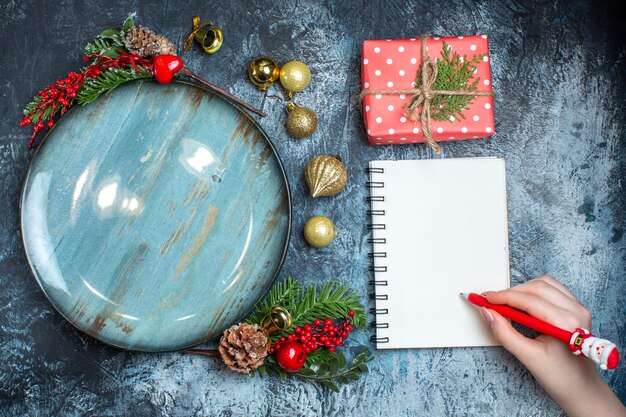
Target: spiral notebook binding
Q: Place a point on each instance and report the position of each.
(376, 255)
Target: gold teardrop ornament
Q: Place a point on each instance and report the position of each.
(325, 176)
(263, 72)
(319, 231)
(301, 121)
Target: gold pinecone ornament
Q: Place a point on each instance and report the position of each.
(243, 347)
(144, 42)
(325, 176)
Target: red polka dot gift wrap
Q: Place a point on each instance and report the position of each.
(394, 64)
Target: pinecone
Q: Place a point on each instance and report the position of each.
(144, 42)
(243, 347)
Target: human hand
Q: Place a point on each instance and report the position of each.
(573, 382)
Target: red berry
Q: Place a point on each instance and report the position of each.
(283, 340)
(291, 356)
(50, 124)
(331, 349)
(298, 330)
(351, 313)
(349, 328)
(291, 337)
(308, 328)
(317, 322)
(328, 322)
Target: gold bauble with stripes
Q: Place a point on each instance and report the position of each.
(325, 175)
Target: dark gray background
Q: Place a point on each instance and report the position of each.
(558, 68)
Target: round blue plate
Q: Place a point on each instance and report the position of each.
(156, 216)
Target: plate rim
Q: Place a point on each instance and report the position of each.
(270, 282)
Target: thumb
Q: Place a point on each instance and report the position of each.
(520, 346)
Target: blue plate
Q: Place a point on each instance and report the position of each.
(156, 216)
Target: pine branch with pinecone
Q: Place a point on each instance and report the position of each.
(116, 56)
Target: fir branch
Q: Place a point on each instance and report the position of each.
(454, 73)
(281, 294)
(107, 81)
(333, 301)
(305, 305)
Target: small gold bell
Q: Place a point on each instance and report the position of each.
(301, 121)
(263, 72)
(208, 36)
(210, 39)
(277, 319)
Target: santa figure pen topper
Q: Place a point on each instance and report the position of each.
(581, 341)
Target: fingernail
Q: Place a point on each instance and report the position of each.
(486, 293)
(486, 315)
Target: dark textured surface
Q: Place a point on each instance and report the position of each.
(558, 69)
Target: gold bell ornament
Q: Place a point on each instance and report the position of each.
(295, 76)
(325, 175)
(263, 72)
(301, 121)
(319, 231)
(278, 319)
(208, 36)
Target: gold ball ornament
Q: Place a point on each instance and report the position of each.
(319, 231)
(295, 76)
(301, 121)
(325, 176)
(263, 72)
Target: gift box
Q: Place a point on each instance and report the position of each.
(392, 74)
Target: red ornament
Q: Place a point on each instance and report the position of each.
(165, 66)
(291, 356)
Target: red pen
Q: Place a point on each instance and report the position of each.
(580, 341)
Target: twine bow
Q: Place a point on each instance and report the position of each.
(422, 96)
(196, 27)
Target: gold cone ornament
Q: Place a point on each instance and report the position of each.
(243, 347)
(301, 121)
(263, 71)
(319, 231)
(144, 42)
(295, 76)
(325, 176)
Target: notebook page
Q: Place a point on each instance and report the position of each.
(445, 232)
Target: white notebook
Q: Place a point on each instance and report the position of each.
(439, 228)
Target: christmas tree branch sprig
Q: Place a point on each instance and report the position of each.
(453, 74)
(333, 300)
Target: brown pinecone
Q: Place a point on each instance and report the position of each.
(243, 347)
(144, 42)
